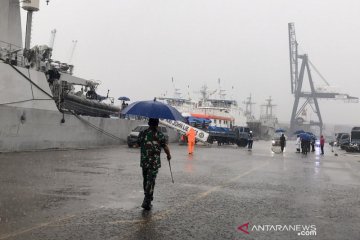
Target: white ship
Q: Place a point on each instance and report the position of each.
(220, 111)
(38, 106)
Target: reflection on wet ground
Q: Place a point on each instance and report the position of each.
(97, 193)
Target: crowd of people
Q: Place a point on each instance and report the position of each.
(305, 145)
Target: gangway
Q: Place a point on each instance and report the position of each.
(183, 128)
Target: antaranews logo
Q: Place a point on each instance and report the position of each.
(244, 228)
(301, 230)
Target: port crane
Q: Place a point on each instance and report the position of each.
(310, 98)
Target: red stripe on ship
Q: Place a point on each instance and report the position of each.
(199, 115)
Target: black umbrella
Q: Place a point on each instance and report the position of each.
(124, 98)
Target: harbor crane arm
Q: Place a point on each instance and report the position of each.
(297, 80)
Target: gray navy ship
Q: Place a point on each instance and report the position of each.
(264, 127)
(39, 105)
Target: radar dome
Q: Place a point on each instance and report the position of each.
(31, 5)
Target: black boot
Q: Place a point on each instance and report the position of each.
(146, 204)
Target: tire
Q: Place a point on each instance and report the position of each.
(242, 143)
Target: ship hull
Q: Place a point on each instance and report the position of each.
(24, 129)
(261, 131)
(30, 120)
(29, 116)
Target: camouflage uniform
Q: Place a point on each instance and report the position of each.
(150, 143)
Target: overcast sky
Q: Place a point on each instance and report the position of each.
(135, 47)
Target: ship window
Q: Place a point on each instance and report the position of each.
(214, 121)
(219, 121)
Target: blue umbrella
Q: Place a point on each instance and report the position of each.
(299, 131)
(153, 109)
(124, 99)
(280, 130)
(312, 135)
(305, 136)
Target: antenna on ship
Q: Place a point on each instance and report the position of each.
(177, 93)
(74, 42)
(268, 107)
(52, 39)
(188, 91)
(222, 93)
(248, 108)
(30, 6)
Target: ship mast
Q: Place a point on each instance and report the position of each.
(30, 6)
(268, 107)
(248, 108)
(52, 38)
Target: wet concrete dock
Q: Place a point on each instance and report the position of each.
(219, 193)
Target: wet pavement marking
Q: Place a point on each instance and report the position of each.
(216, 188)
(157, 216)
(163, 214)
(41, 225)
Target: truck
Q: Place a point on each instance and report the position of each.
(354, 145)
(236, 135)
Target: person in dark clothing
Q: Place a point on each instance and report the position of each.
(91, 94)
(203, 125)
(250, 140)
(123, 105)
(282, 142)
(151, 141)
(306, 145)
(304, 148)
(312, 144)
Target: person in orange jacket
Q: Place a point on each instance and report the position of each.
(191, 140)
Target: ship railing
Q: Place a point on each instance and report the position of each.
(12, 53)
(9, 46)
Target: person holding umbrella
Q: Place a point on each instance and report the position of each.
(305, 142)
(123, 104)
(151, 141)
(282, 142)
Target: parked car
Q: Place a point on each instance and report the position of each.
(134, 134)
(338, 137)
(344, 141)
(355, 135)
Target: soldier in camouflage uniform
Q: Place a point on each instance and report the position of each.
(151, 141)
